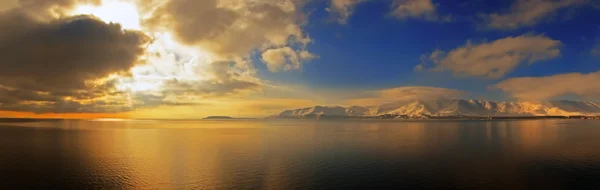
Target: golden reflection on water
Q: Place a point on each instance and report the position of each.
(275, 154)
(534, 134)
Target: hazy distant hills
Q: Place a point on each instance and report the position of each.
(450, 108)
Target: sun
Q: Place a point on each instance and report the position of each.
(165, 58)
(124, 13)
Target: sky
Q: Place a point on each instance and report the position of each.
(250, 58)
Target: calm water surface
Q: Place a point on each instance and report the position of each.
(536, 154)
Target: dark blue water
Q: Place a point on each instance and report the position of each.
(536, 154)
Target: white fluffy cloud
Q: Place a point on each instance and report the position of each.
(285, 59)
(528, 13)
(585, 86)
(493, 59)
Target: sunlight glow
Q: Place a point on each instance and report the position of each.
(165, 58)
(139, 85)
(124, 13)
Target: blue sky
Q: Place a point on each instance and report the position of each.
(374, 50)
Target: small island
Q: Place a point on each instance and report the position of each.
(218, 117)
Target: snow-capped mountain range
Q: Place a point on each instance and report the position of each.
(451, 107)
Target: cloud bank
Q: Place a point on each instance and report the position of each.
(232, 28)
(402, 94)
(492, 59)
(543, 88)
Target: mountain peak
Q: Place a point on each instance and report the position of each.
(452, 107)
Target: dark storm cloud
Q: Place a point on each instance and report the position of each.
(49, 60)
(63, 54)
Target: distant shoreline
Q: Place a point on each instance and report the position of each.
(404, 117)
(224, 118)
(308, 118)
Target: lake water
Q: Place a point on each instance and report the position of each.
(533, 154)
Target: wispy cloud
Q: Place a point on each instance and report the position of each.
(525, 13)
(595, 51)
(420, 9)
